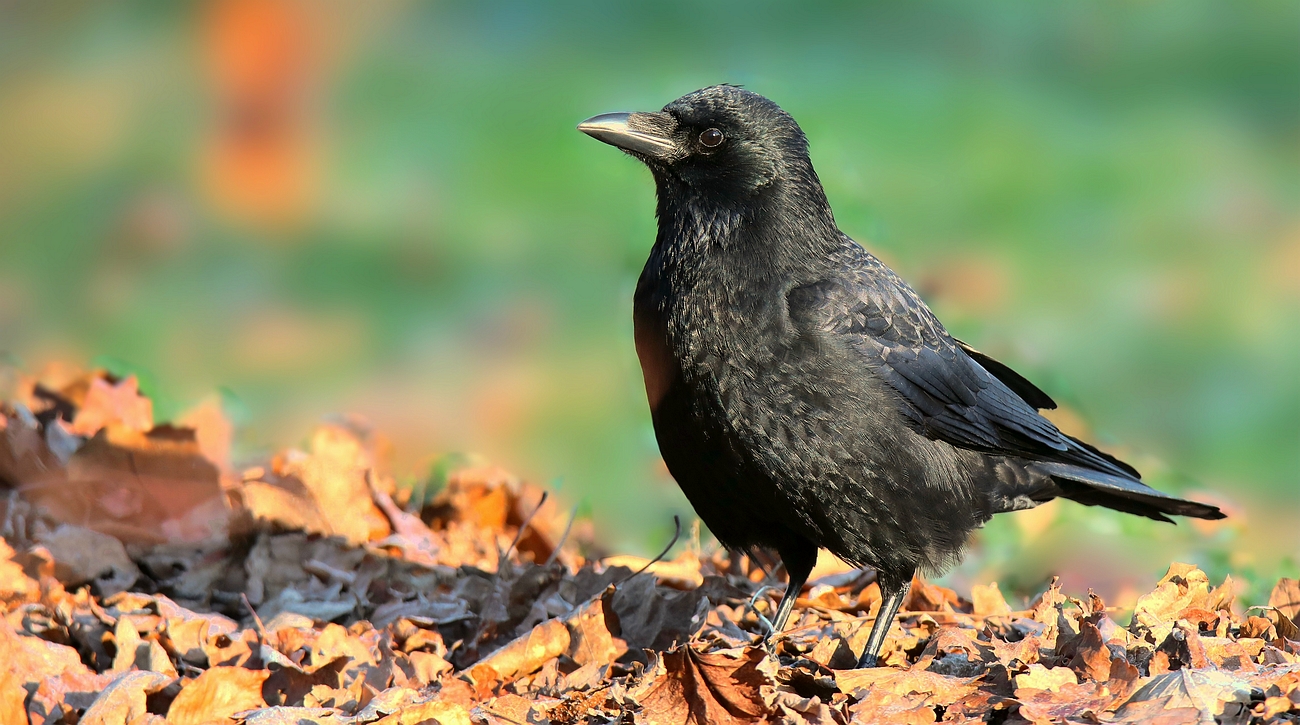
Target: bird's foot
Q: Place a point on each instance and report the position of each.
(768, 639)
(867, 660)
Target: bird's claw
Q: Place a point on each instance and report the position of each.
(769, 629)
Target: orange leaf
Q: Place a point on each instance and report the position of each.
(107, 404)
(217, 694)
(700, 689)
(1286, 597)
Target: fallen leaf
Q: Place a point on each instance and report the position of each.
(1024, 650)
(654, 617)
(124, 699)
(1039, 677)
(437, 711)
(988, 599)
(82, 555)
(510, 709)
(113, 404)
(1067, 703)
(926, 597)
(213, 431)
(13, 696)
(283, 715)
(1182, 586)
(525, 654)
(930, 687)
(591, 640)
(1285, 597)
(34, 659)
(15, 586)
(1208, 691)
(1092, 656)
(217, 694)
(334, 472)
(697, 688)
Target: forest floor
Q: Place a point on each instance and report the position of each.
(145, 580)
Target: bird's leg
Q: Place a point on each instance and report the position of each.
(884, 618)
(798, 558)
(792, 589)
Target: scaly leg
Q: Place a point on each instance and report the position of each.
(799, 558)
(884, 619)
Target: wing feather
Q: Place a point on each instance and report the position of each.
(950, 391)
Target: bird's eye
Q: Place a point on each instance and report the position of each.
(711, 138)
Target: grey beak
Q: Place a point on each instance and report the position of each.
(643, 133)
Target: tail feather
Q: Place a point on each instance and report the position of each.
(1096, 488)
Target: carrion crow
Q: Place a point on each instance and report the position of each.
(802, 394)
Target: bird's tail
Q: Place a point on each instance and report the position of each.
(1091, 487)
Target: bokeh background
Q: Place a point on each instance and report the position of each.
(383, 208)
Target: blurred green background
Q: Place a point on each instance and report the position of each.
(383, 208)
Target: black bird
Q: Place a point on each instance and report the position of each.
(802, 394)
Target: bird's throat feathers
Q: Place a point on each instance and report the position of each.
(778, 225)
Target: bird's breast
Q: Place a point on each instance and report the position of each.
(659, 366)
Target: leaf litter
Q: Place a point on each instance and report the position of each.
(143, 580)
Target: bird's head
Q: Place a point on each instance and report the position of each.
(718, 142)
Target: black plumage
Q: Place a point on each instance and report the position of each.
(803, 395)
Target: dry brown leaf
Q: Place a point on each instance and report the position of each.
(137, 487)
(1047, 610)
(188, 635)
(1285, 627)
(127, 641)
(124, 699)
(1068, 703)
(510, 709)
(1210, 692)
(927, 597)
(280, 504)
(113, 404)
(288, 683)
(480, 496)
(15, 586)
(590, 638)
(525, 654)
(1182, 586)
(919, 685)
(34, 659)
(217, 694)
(789, 707)
(1039, 677)
(82, 555)
(889, 707)
(1285, 597)
(428, 667)
(436, 711)
(1092, 656)
(334, 472)
(1024, 650)
(282, 715)
(654, 617)
(416, 541)
(1229, 654)
(699, 689)
(213, 431)
(13, 696)
(901, 696)
(988, 599)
